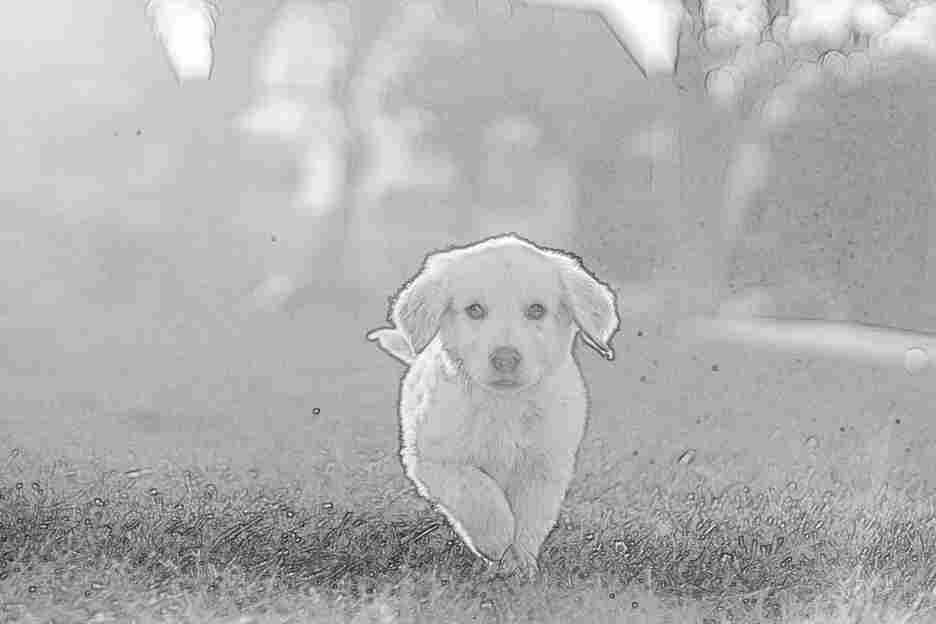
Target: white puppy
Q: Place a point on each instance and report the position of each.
(493, 405)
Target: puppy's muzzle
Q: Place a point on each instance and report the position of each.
(505, 360)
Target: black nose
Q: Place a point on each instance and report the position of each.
(505, 359)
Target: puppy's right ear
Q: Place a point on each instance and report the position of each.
(418, 308)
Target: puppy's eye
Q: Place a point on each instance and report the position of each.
(476, 311)
(535, 312)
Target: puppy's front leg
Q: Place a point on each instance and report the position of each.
(473, 503)
(535, 496)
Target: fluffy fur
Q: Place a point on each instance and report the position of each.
(493, 405)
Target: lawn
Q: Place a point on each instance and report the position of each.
(89, 544)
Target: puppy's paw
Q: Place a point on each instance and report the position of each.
(518, 563)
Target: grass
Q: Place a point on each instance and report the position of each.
(206, 548)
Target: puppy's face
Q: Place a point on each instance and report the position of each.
(506, 311)
(506, 325)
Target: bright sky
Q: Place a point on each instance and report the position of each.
(50, 75)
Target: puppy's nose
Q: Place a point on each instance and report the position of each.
(505, 359)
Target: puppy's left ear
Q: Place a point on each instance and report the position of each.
(592, 304)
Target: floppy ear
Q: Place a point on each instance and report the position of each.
(592, 304)
(418, 308)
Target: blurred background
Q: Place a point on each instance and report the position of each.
(191, 263)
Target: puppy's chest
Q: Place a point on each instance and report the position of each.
(484, 422)
(443, 417)
(521, 421)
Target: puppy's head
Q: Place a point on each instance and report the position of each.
(506, 311)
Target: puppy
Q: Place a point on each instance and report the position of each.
(493, 404)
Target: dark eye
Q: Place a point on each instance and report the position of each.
(535, 312)
(476, 311)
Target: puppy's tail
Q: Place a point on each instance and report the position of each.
(394, 343)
